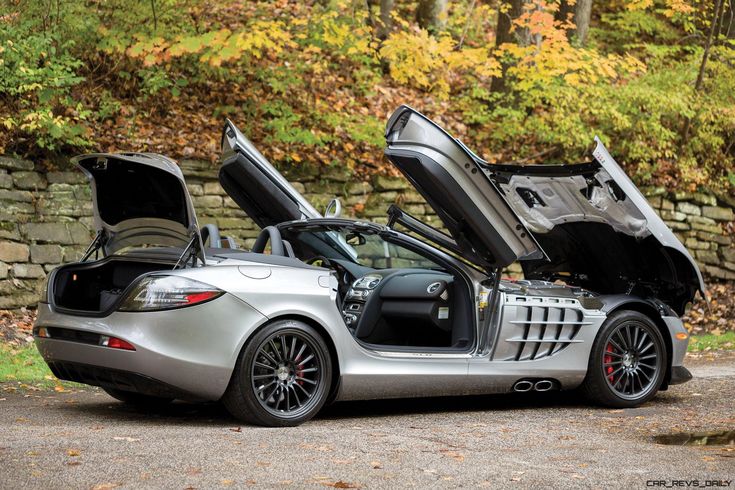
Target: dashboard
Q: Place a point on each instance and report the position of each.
(392, 291)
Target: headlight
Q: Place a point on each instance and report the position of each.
(154, 293)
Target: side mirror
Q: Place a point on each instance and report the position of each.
(334, 209)
(355, 239)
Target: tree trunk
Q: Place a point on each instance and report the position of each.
(564, 11)
(386, 23)
(508, 11)
(432, 15)
(719, 4)
(582, 14)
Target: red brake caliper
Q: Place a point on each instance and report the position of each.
(299, 370)
(608, 359)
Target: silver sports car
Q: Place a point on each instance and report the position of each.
(324, 308)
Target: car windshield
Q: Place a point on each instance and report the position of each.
(364, 247)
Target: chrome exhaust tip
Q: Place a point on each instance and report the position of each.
(523, 386)
(543, 385)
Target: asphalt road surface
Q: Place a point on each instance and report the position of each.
(85, 439)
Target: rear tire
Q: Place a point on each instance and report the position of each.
(137, 399)
(628, 361)
(282, 376)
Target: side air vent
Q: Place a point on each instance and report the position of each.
(534, 331)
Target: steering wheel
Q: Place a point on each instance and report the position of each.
(272, 235)
(320, 261)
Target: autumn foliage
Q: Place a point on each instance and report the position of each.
(312, 83)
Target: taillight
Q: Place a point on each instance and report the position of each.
(167, 292)
(115, 343)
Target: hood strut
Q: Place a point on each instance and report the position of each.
(98, 243)
(193, 251)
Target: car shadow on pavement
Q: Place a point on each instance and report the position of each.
(471, 403)
(214, 414)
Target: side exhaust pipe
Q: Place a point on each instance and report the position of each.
(523, 386)
(543, 385)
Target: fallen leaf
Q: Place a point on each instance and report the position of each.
(105, 486)
(340, 484)
(453, 454)
(72, 452)
(239, 429)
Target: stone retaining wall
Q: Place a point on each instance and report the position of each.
(45, 217)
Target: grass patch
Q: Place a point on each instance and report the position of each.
(707, 342)
(23, 366)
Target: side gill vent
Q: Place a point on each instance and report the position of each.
(539, 331)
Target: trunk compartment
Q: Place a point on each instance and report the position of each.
(97, 287)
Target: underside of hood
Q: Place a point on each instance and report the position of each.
(598, 231)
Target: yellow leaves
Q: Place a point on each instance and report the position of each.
(216, 47)
(671, 8)
(677, 7)
(428, 62)
(639, 4)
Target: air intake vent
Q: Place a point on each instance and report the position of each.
(534, 331)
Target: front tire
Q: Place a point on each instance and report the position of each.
(282, 376)
(628, 361)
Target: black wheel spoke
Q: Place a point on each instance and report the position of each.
(284, 347)
(622, 340)
(296, 396)
(616, 345)
(275, 350)
(264, 366)
(642, 341)
(645, 349)
(262, 387)
(293, 348)
(308, 358)
(301, 351)
(272, 392)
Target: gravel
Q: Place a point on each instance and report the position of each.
(85, 439)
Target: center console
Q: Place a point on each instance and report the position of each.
(356, 297)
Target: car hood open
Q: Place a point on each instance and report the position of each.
(139, 199)
(586, 224)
